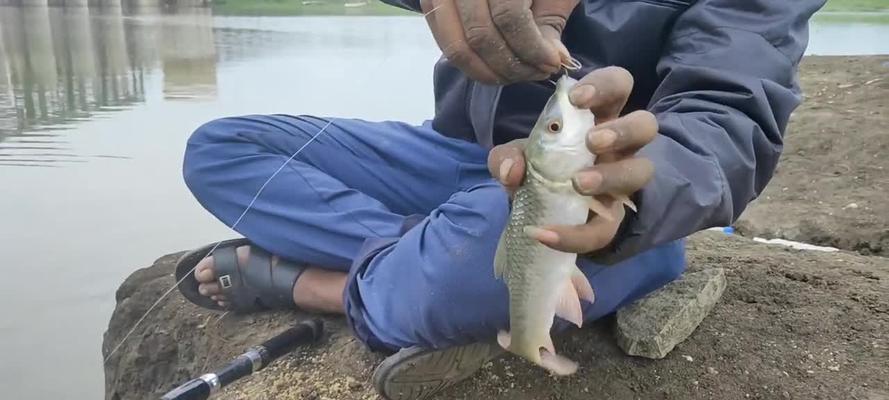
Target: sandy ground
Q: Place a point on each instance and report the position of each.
(833, 179)
(791, 324)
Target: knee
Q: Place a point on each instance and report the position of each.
(480, 213)
(670, 261)
(203, 151)
(212, 132)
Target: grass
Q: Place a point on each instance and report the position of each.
(867, 18)
(856, 5)
(297, 7)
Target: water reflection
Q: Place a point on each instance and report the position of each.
(61, 66)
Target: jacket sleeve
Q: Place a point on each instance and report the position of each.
(411, 5)
(728, 86)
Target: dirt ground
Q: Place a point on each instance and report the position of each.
(791, 324)
(832, 181)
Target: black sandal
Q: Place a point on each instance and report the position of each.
(256, 286)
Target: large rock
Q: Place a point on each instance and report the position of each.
(652, 326)
(791, 324)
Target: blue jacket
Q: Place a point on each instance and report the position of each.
(719, 75)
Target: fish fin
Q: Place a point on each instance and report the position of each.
(500, 257)
(582, 286)
(569, 305)
(625, 200)
(503, 339)
(559, 365)
(597, 207)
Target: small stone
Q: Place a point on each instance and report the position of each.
(688, 358)
(652, 326)
(834, 368)
(712, 371)
(353, 383)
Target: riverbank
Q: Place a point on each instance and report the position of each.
(377, 7)
(831, 183)
(791, 324)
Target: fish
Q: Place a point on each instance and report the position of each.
(544, 282)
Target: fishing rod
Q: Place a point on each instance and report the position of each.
(255, 359)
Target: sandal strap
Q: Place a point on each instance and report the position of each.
(284, 277)
(229, 275)
(274, 282)
(258, 284)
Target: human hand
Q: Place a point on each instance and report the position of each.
(501, 41)
(617, 173)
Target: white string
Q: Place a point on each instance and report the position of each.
(241, 217)
(433, 10)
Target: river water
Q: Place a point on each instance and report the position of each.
(95, 109)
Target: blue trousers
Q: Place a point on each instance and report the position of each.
(411, 215)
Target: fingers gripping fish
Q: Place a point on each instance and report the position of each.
(543, 282)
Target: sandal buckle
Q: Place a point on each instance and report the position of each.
(225, 281)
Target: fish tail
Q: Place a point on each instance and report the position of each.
(545, 356)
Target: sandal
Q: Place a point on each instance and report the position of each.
(256, 286)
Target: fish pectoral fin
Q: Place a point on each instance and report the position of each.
(568, 307)
(582, 286)
(625, 200)
(504, 339)
(500, 257)
(559, 365)
(597, 207)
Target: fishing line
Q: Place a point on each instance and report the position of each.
(573, 64)
(241, 217)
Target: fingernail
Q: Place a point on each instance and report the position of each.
(542, 235)
(505, 168)
(582, 94)
(602, 139)
(587, 182)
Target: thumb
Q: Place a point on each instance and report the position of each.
(551, 17)
(554, 36)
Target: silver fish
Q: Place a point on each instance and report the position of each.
(543, 282)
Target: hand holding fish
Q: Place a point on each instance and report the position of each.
(614, 140)
(501, 41)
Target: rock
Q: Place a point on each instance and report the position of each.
(652, 326)
(168, 348)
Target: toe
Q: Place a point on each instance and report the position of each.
(243, 254)
(209, 289)
(204, 271)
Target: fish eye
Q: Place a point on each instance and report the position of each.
(554, 126)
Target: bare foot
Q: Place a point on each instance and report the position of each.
(317, 289)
